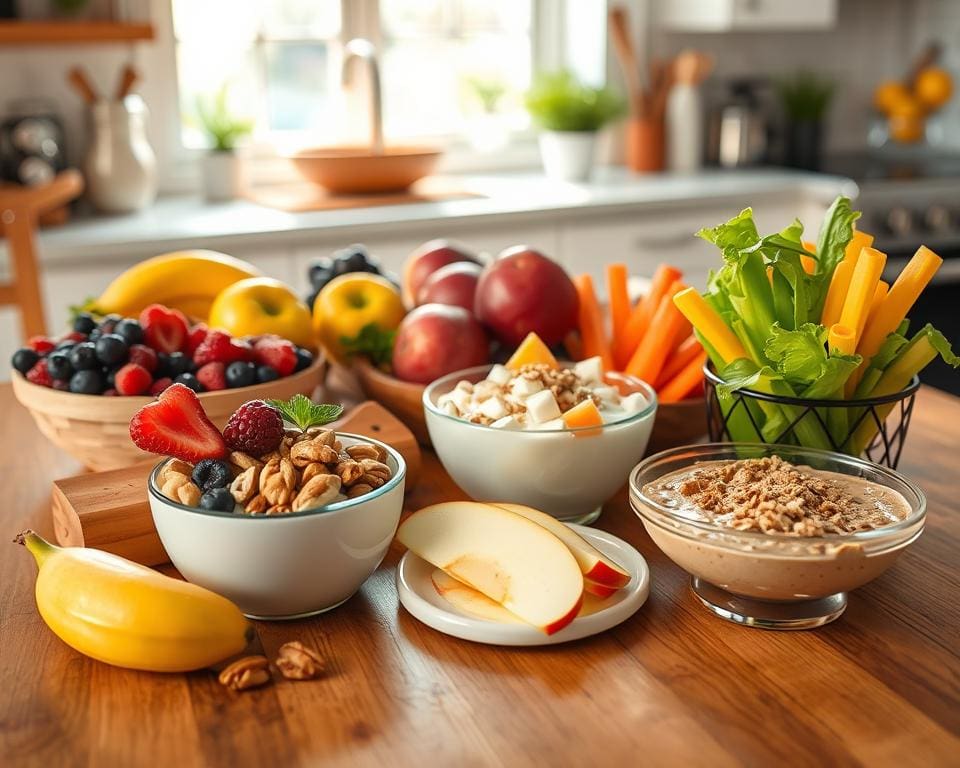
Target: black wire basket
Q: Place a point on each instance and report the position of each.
(875, 427)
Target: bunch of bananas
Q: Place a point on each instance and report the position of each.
(184, 280)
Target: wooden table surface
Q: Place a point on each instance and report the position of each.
(673, 685)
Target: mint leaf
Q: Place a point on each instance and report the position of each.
(373, 342)
(304, 413)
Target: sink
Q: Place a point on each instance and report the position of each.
(370, 169)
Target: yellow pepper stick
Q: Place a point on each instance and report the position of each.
(705, 319)
(863, 285)
(809, 263)
(858, 242)
(836, 293)
(842, 339)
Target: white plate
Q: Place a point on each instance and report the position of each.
(420, 598)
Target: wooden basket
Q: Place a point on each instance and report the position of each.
(403, 399)
(95, 429)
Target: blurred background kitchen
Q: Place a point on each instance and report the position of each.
(594, 131)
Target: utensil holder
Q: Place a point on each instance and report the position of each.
(645, 144)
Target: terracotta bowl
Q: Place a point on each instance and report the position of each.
(95, 429)
(354, 170)
(402, 398)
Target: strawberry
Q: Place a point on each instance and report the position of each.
(40, 375)
(213, 376)
(255, 428)
(109, 392)
(41, 344)
(175, 425)
(277, 353)
(164, 329)
(143, 355)
(159, 385)
(132, 379)
(195, 338)
(218, 347)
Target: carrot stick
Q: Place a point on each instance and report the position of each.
(689, 348)
(591, 322)
(648, 359)
(639, 321)
(685, 382)
(619, 298)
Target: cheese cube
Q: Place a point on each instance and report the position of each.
(448, 407)
(461, 398)
(484, 389)
(542, 407)
(634, 402)
(507, 422)
(607, 394)
(590, 370)
(553, 424)
(524, 387)
(464, 386)
(493, 408)
(500, 375)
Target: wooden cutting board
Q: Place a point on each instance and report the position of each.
(110, 510)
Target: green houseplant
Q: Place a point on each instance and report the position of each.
(569, 115)
(222, 171)
(805, 97)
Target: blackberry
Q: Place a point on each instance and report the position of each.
(212, 473)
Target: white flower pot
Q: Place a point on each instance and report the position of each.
(222, 176)
(567, 155)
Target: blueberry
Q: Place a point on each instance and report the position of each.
(83, 357)
(65, 345)
(130, 330)
(58, 363)
(188, 379)
(304, 358)
(217, 500)
(86, 382)
(109, 322)
(111, 349)
(24, 359)
(84, 322)
(172, 365)
(110, 377)
(311, 298)
(212, 473)
(267, 373)
(320, 272)
(240, 374)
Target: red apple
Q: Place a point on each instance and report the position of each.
(454, 284)
(524, 291)
(426, 260)
(437, 339)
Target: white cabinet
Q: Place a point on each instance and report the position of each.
(745, 15)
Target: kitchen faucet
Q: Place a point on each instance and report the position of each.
(364, 50)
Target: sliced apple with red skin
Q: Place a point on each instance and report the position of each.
(595, 566)
(598, 590)
(507, 557)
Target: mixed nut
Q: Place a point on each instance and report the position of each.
(295, 661)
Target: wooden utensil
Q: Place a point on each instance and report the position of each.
(627, 57)
(77, 77)
(110, 511)
(128, 77)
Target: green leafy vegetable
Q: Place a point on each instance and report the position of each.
(304, 413)
(373, 342)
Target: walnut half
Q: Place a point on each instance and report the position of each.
(297, 662)
(248, 672)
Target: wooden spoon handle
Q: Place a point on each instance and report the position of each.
(128, 77)
(626, 56)
(77, 77)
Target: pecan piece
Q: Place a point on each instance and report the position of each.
(189, 494)
(297, 662)
(312, 470)
(174, 466)
(322, 434)
(349, 472)
(248, 672)
(245, 485)
(257, 505)
(358, 490)
(311, 451)
(243, 460)
(375, 473)
(322, 489)
(172, 483)
(362, 451)
(279, 509)
(278, 482)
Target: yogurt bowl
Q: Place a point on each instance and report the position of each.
(283, 566)
(774, 580)
(566, 472)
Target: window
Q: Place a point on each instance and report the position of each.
(449, 68)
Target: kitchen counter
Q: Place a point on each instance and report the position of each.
(188, 222)
(673, 685)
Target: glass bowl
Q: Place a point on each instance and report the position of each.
(773, 581)
(568, 473)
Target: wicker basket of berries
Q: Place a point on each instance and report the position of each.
(83, 388)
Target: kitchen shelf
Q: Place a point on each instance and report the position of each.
(72, 32)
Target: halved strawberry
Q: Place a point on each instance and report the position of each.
(195, 338)
(164, 329)
(277, 353)
(219, 347)
(41, 344)
(175, 425)
(40, 375)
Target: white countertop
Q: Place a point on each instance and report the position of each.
(180, 222)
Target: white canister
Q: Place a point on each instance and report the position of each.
(567, 155)
(120, 166)
(684, 119)
(222, 175)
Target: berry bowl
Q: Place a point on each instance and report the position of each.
(283, 566)
(567, 472)
(95, 429)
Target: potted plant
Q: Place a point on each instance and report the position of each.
(483, 96)
(222, 177)
(805, 97)
(569, 114)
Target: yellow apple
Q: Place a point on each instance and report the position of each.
(261, 305)
(348, 303)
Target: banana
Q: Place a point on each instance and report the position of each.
(184, 280)
(129, 615)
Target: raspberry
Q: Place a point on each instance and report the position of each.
(159, 385)
(212, 376)
(143, 355)
(196, 336)
(277, 353)
(218, 347)
(76, 336)
(132, 379)
(41, 344)
(255, 428)
(41, 376)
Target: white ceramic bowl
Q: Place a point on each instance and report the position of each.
(284, 566)
(568, 473)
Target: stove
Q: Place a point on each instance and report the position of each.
(911, 198)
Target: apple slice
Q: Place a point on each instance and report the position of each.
(507, 557)
(598, 590)
(469, 600)
(594, 565)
